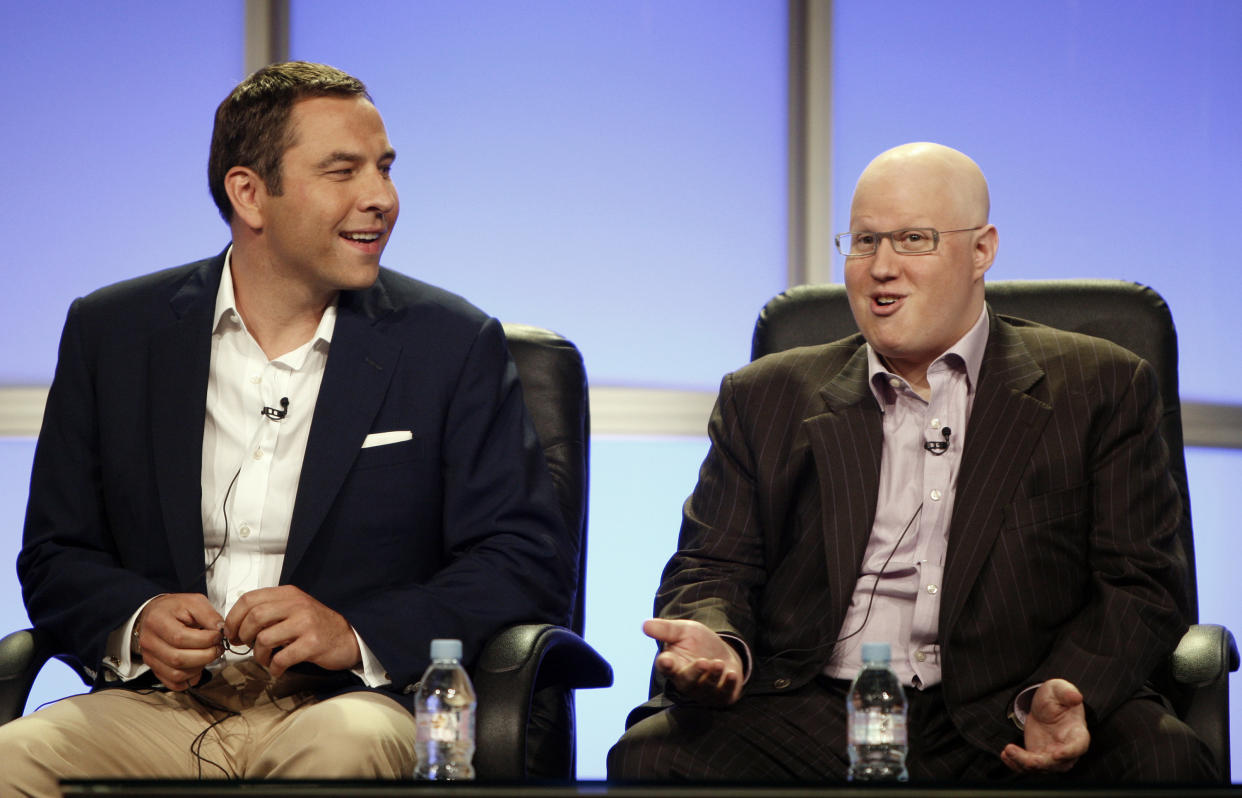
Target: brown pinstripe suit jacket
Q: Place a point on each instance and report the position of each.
(1062, 557)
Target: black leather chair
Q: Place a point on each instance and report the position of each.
(526, 675)
(1134, 316)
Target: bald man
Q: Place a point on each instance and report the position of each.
(1026, 604)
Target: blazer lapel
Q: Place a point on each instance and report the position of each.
(361, 362)
(180, 360)
(1005, 423)
(846, 441)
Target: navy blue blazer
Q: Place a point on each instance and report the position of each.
(455, 533)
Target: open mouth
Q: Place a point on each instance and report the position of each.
(362, 238)
(886, 304)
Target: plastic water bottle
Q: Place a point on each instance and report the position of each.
(444, 715)
(876, 719)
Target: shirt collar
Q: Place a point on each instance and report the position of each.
(968, 350)
(226, 315)
(226, 304)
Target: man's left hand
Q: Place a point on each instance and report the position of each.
(1056, 731)
(287, 626)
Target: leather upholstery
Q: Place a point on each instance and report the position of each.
(554, 385)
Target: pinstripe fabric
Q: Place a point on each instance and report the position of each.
(1062, 558)
(796, 735)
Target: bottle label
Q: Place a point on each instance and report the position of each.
(445, 727)
(876, 727)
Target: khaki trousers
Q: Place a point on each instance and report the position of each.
(240, 725)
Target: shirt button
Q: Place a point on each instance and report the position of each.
(256, 379)
(935, 495)
(920, 656)
(781, 683)
(258, 454)
(245, 531)
(935, 423)
(932, 589)
(893, 381)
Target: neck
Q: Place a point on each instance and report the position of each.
(281, 314)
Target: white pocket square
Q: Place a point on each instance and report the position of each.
(385, 438)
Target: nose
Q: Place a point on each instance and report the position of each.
(379, 195)
(885, 262)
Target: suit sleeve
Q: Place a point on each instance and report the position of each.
(507, 555)
(1133, 617)
(718, 568)
(72, 579)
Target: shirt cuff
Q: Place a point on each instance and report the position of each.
(1022, 706)
(371, 671)
(117, 657)
(743, 652)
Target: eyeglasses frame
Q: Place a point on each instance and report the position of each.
(889, 235)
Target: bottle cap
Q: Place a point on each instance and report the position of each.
(876, 652)
(451, 649)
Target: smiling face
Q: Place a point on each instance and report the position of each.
(911, 308)
(338, 205)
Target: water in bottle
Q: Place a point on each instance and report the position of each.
(876, 719)
(444, 714)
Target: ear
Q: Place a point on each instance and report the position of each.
(248, 193)
(986, 245)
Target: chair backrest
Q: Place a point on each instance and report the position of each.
(1128, 314)
(554, 385)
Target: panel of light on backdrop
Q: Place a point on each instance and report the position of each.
(109, 112)
(634, 522)
(614, 171)
(110, 107)
(1109, 133)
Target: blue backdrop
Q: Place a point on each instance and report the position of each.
(616, 170)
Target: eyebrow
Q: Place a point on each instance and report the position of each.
(341, 156)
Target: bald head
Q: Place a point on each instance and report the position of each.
(923, 177)
(912, 306)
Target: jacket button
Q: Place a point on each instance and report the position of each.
(781, 683)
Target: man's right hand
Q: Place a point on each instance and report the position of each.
(702, 666)
(179, 635)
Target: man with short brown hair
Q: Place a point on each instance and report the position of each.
(266, 480)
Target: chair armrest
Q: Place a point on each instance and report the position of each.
(22, 655)
(1201, 665)
(1206, 654)
(516, 664)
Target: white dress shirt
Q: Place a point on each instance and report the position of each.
(251, 464)
(898, 593)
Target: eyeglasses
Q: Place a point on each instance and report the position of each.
(911, 241)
